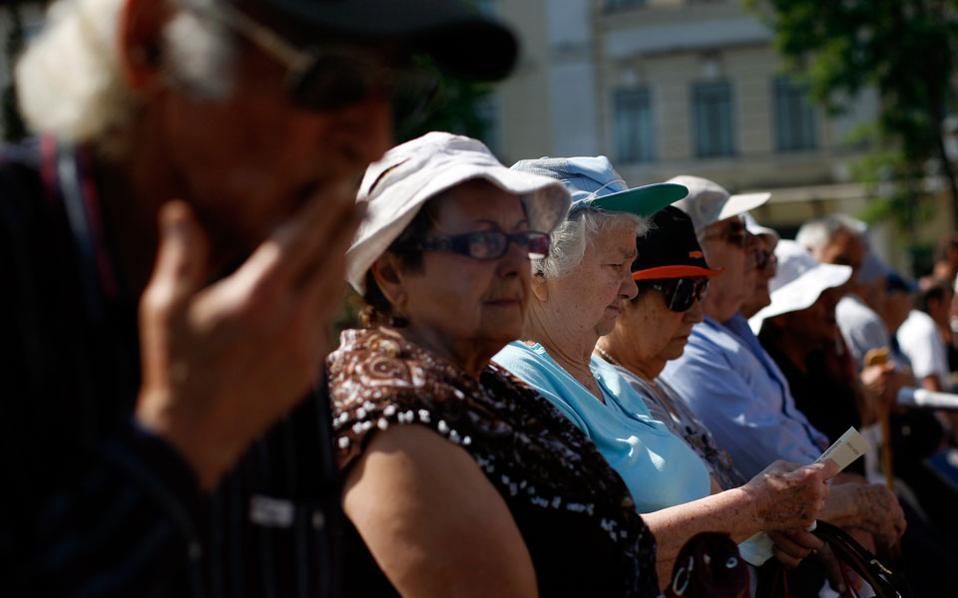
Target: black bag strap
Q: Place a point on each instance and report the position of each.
(885, 582)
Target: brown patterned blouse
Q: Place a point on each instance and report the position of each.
(574, 512)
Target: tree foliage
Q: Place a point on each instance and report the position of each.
(904, 49)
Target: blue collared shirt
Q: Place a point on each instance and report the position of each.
(738, 392)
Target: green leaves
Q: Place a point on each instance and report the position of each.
(904, 49)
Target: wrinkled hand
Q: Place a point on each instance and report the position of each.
(792, 547)
(786, 496)
(223, 362)
(871, 507)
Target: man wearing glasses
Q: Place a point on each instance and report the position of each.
(172, 247)
(724, 374)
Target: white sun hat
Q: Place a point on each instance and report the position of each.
(752, 226)
(799, 282)
(708, 202)
(398, 185)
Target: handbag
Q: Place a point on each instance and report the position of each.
(709, 566)
(885, 582)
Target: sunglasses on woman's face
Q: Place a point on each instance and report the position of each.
(489, 245)
(680, 293)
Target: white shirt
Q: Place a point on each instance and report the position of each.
(921, 342)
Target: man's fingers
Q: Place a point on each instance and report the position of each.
(293, 247)
(182, 257)
(328, 269)
(792, 547)
(833, 570)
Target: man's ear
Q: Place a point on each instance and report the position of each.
(141, 40)
(387, 273)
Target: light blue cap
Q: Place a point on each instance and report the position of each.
(593, 182)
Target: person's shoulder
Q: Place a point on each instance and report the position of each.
(377, 379)
(520, 352)
(852, 309)
(917, 323)
(530, 363)
(712, 343)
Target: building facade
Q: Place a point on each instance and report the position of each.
(668, 87)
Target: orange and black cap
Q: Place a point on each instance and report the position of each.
(670, 249)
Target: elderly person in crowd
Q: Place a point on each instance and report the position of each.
(842, 240)
(672, 278)
(797, 329)
(195, 156)
(735, 388)
(579, 291)
(797, 326)
(764, 241)
(459, 479)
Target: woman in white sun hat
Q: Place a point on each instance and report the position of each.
(797, 326)
(458, 478)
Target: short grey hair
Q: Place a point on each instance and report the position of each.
(572, 237)
(70, 79)
(816, 234)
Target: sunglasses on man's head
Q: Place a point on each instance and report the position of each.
(331, 78)
(680, 293)
(489, 245)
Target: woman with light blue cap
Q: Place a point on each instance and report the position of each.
(578, 291)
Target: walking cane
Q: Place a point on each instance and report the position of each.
(880, 357)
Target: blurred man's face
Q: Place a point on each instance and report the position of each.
(845, 249)
(726, 245)
(247, 162)
(765, 264)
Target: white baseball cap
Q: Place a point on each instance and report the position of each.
(398, 185)
(798, 283)
(708, 202)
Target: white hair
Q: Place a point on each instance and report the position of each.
(572, 237)
(70, 80)
(815, 235)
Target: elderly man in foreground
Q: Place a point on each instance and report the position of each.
(196, 168)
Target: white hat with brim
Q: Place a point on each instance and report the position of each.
(410, 174)
(709, 202)
(798, 283)
(752, 226)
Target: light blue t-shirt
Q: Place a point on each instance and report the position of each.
(659, 469)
